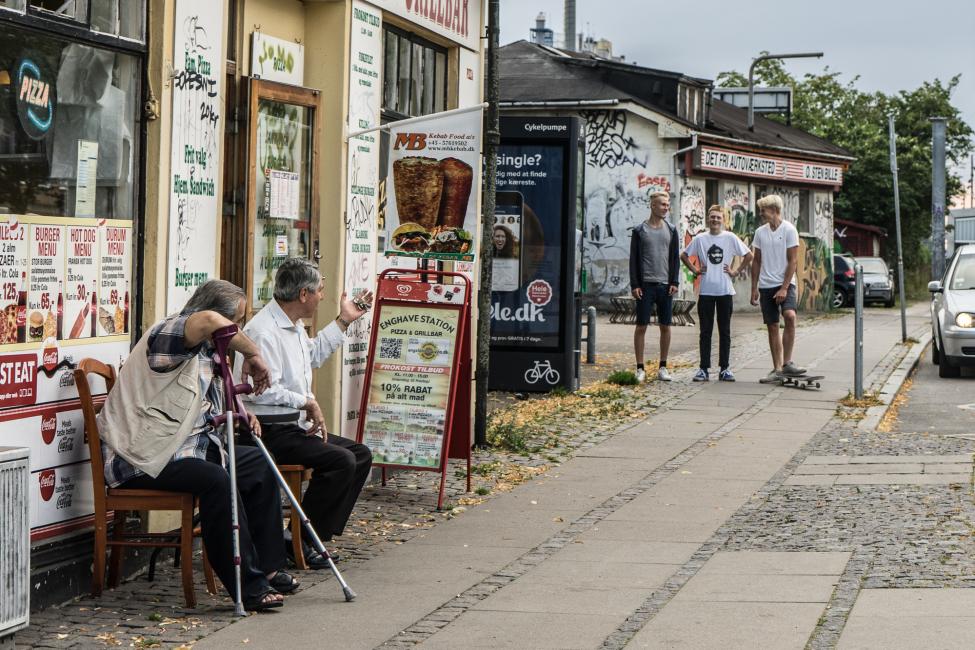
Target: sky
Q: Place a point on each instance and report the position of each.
(893, 45)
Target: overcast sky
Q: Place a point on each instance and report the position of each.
(893, 45)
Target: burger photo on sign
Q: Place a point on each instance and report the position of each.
(431, 201)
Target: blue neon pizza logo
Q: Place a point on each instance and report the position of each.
(35, 100)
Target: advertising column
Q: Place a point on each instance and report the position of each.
(534, 236)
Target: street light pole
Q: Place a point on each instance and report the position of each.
(897, 223)
(492, 138)
(751, 74)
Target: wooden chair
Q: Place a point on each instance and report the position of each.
(121, 501)
(294, 475)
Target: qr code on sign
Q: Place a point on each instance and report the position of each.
(390, 348)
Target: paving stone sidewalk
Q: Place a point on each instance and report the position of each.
(140, 614)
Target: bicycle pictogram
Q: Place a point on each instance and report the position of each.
(542, 370)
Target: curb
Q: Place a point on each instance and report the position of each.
(893, 384)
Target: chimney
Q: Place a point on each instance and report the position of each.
(570, 24)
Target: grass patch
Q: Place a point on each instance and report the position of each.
(623, 378)
(869, 399)
(482, 490)
(508, 435)
(559, 391)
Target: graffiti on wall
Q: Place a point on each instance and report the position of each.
(608, 144)
(618, 187)
(814, 274)
(692, 222)
(823, 217)
(790, 201)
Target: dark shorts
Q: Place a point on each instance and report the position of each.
(655, 295)
(771, 310)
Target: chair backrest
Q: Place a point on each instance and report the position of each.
(88, 408)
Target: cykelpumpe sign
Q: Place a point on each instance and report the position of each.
(532, 293)
(432, 163)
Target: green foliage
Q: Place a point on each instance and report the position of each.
(560, 391)
(508, 435)
(482, 490)
(857, 120)
(622, 378)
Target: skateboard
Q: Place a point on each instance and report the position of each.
(802, 381)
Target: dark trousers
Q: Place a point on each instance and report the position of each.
(706, 308)
(258, 508)
(340, 468)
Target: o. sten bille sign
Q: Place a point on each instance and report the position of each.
(740, 163)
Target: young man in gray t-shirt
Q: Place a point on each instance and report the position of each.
(654, 265)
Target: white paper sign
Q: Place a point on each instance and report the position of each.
(85, 185)
(194, 206)
(284, 189)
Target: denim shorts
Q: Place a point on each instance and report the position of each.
(657, 295)
(771, 310)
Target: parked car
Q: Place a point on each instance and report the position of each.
(878, 281)
(953, 314)
(844, 284)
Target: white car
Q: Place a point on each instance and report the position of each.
(953, 314)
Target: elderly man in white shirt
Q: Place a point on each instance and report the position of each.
(340, 466)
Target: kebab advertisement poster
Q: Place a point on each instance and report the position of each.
(410, 385)
(431, 178)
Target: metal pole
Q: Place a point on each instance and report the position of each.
(492, 138)
(751, 74)
(591, 335)
(234, 515)
(938, 125)
(858, 334)
(897, 224)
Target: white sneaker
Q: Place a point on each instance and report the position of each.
(773, 377)
(641, 375)
(664, 375)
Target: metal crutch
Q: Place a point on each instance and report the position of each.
(221, 340)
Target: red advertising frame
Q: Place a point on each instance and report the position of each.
(398, 287)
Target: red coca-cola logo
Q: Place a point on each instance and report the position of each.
(50, 359)
(47, 479)
(49, 426)
(539, 292)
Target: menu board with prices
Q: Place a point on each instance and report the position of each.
(63, 293)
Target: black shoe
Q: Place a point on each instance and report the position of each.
(313, 558)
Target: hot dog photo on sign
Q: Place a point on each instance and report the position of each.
(432, 168)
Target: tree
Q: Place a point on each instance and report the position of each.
(857, 121)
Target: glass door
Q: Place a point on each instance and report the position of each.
(282, 201)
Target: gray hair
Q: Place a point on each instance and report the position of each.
(295, 274)
(215, 295)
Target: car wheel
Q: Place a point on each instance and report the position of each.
(889, 302)
(839, 298)
(935, 354)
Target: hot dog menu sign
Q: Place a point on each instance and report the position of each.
(433, 166)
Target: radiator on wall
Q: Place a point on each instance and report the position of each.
(14, 539)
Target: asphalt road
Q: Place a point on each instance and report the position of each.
(934, 404)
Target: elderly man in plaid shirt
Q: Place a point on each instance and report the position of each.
(158, 433)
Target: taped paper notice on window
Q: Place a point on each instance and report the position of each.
(281, 245)
(86, 184)
(285, 191)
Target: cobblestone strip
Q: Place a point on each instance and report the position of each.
(831, 624)
(452, 609)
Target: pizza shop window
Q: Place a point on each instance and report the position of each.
(414, 75)
(123, 18)
(68, 128)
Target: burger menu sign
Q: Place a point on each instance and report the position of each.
(432, 170)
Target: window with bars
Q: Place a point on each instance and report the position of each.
(414, 75)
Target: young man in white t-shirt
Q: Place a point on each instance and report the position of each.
(774, 284)
(716, 251)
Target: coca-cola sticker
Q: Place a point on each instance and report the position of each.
(49, 427)
(47, 479)
(49, 358)
(539, 292)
